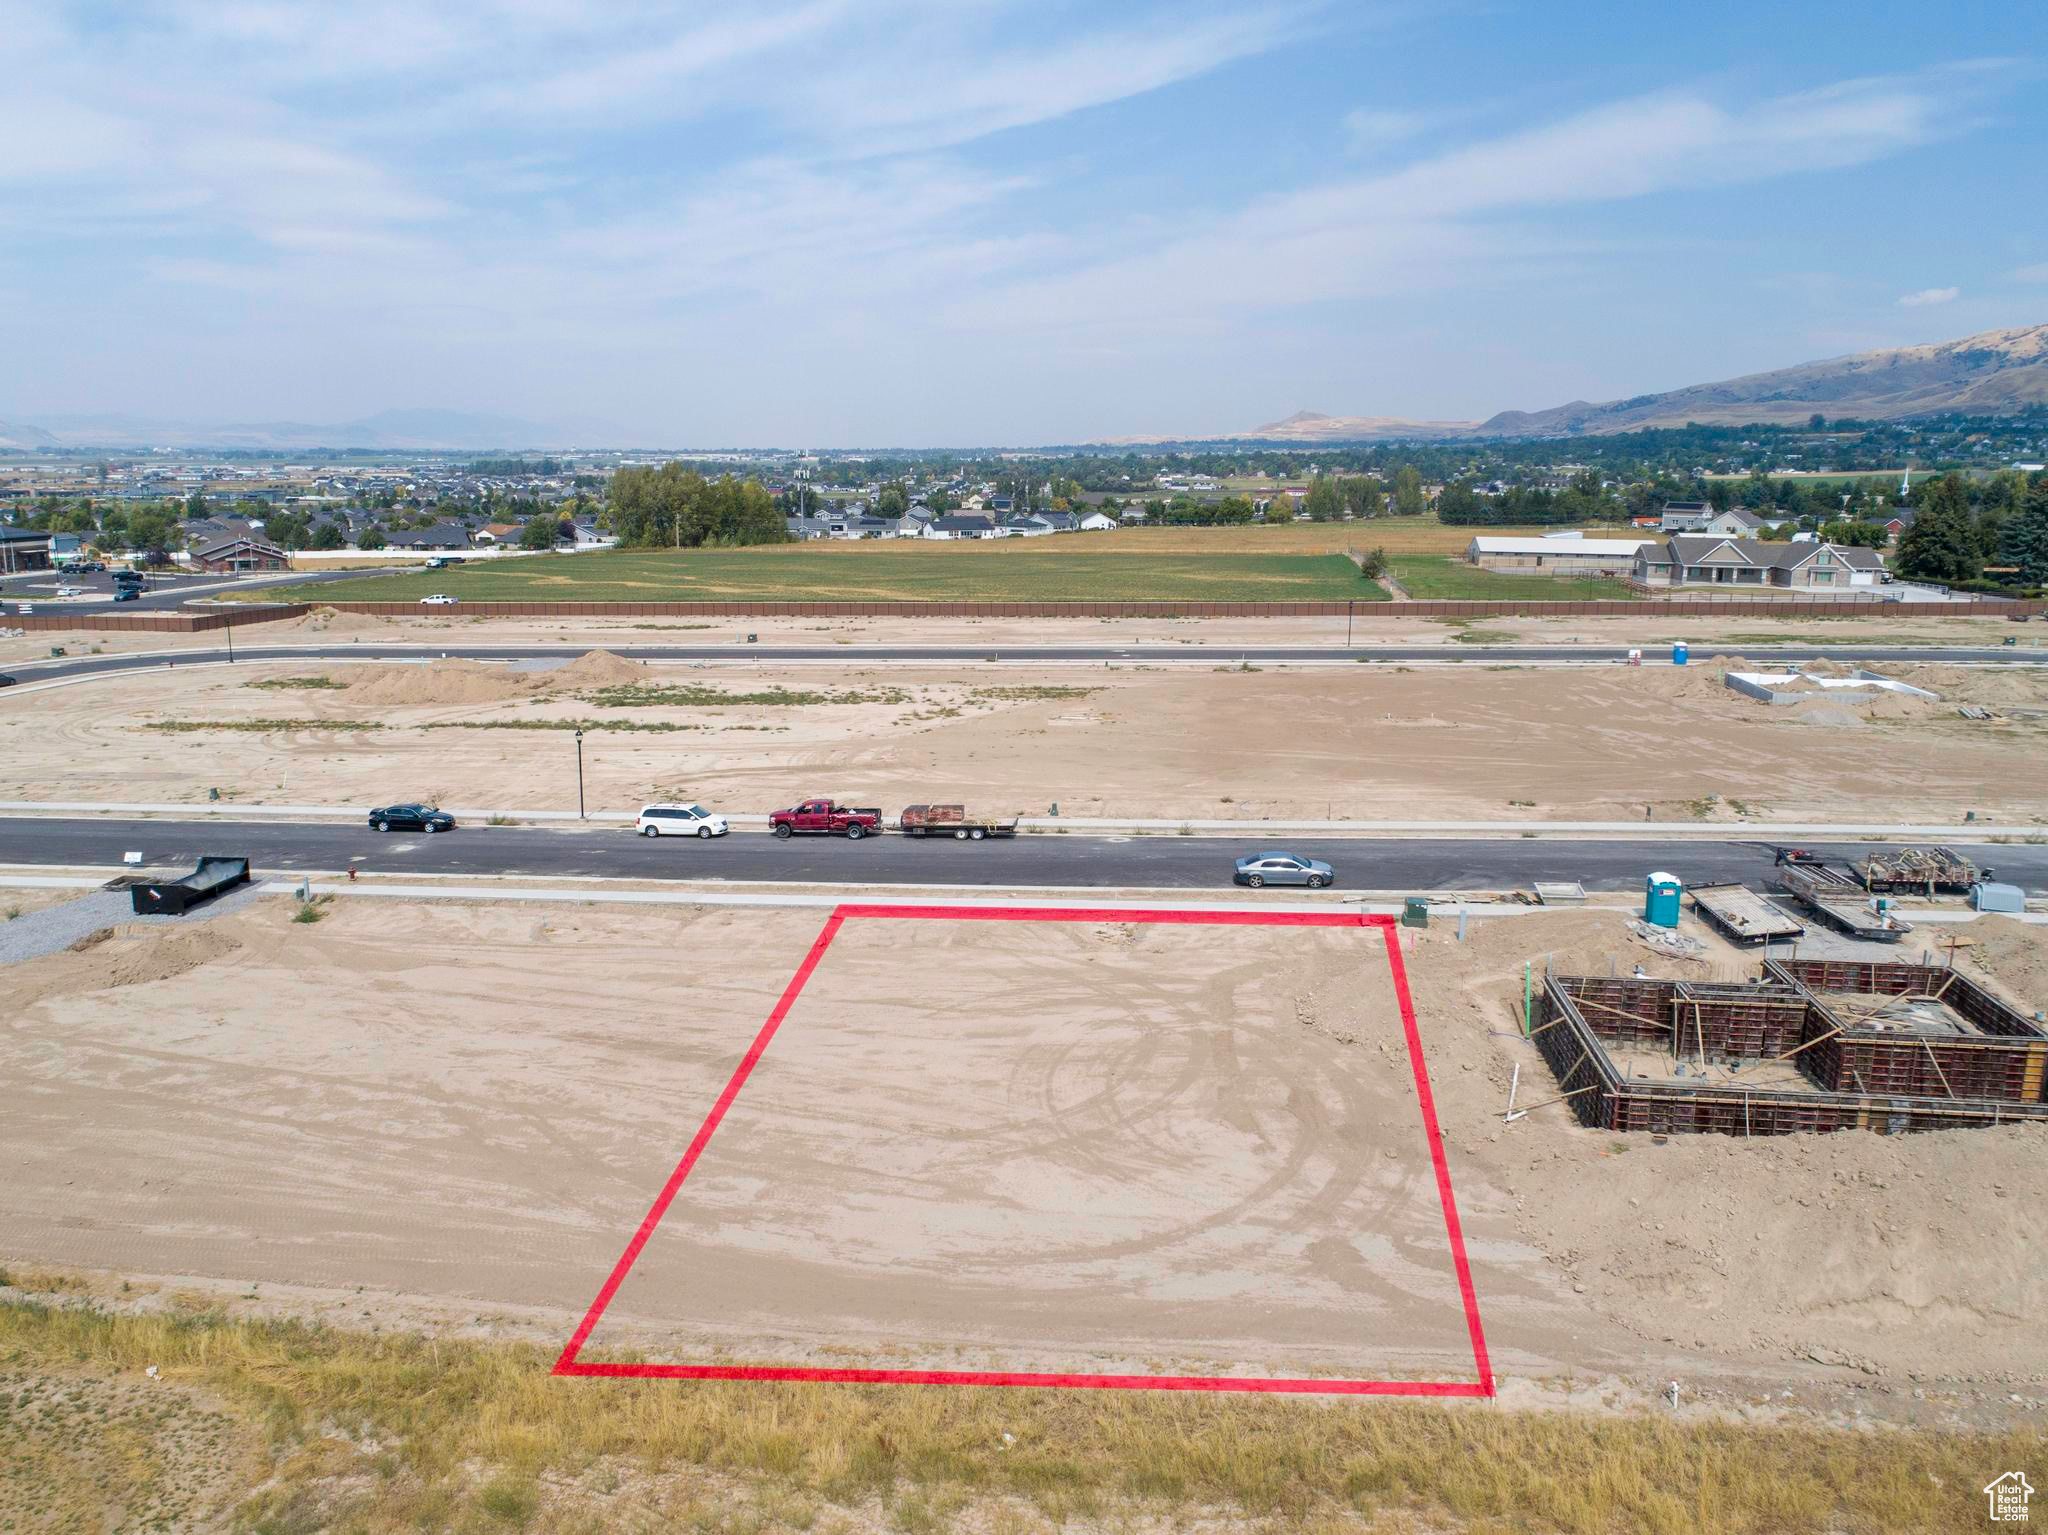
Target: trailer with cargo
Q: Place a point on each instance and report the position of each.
(954, 821)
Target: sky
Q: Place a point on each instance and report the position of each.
(842, 223)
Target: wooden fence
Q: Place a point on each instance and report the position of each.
(1677, 607)
(190, 620)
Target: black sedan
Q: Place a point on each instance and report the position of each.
(411, 818)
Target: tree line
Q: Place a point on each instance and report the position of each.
(675, 507)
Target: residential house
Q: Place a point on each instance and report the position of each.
(1700, 517)
(1060, 522)
(1557, 556)
(1020, 525)
(442, 535)
(1097, 522)
(1898, 522)
(497, 533)
(1705, 560)
(241, 555)
(584, 533)
(23, 549)
(968, 526)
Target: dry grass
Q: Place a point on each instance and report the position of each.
(378, 1433)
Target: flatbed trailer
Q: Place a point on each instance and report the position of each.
(1841, 903)
(952, 821)
(1743, 915)
(170, 897)
(1919, 871)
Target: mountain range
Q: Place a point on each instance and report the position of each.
(389, 431)
(1993, 373)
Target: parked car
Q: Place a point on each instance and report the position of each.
(89, 568)
(8, 680)
(443, 561)
(411, 818)
(1283, 869)
(70, 591)
(680, 821)
(439, 600)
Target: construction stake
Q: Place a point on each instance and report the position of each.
(1547, 1102)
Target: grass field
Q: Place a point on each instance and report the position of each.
(1011, 570)
(304, 1428)
(1433, 577)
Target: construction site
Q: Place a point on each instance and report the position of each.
(1809, 1045)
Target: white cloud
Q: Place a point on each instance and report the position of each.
(1926, 296)
(1368, 128)
(1437, 220)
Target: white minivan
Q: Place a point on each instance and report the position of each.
(680, 821)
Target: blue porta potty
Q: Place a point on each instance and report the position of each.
(1679, 654)
(1660, 900)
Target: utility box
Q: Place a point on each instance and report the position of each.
(1415, 912)
(1661, 895)
(1986, 896)
(1680, 654)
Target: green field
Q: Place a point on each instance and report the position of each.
(972, 573)
(1428, 578)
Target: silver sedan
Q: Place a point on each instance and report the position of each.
(1283, 869)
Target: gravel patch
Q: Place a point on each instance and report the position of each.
(58, 927)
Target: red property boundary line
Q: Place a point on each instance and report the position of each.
(571, 1364)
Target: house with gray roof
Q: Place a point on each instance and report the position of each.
(1700, 517)
(1701, 560)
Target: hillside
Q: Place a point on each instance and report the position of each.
(1992, 373)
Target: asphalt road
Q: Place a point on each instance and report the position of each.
(165, 589)
(1420, 864)
(78, 666)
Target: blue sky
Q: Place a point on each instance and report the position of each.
(845, 222)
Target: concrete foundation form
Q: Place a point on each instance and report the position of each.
(1878, 1046)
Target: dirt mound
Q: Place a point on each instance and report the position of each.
(1990, 685)
(595, 669)
(120, 956)
(1826, 709)
(326, 620)
(2014, 955)
(437, 682)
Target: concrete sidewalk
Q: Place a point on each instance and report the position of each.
(1442, 904)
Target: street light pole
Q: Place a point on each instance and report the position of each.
(579, 775)
(231, 636)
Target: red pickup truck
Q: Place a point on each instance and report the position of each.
(821, 817)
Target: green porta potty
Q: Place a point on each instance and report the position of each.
(1660, 900)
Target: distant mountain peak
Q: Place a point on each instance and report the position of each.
(1299, 418)
(1991, 373)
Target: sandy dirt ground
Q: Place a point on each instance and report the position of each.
(1367, 743)
(1365, 628)
(454, 1115)
(1101, 1147)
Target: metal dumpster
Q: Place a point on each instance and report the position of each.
(209, 879)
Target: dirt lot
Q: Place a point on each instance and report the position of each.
(1151, 1145)
(1109, 1148)
(1367, 627)
(1378, 743)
